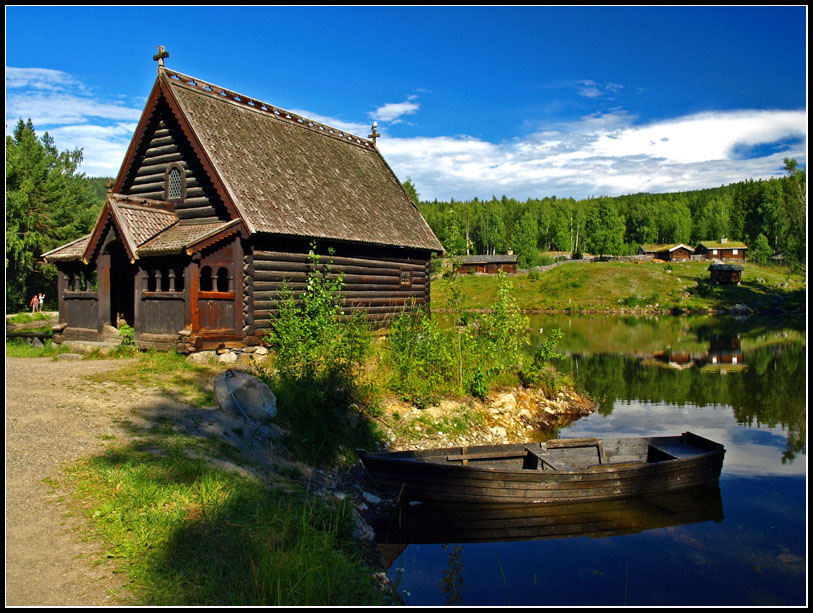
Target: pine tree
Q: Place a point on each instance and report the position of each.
(48, 203)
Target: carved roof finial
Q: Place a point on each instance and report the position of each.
(375, 134)
(162, 53)
(109, 185)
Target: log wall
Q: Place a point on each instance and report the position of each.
(380, 283)
(163, 147)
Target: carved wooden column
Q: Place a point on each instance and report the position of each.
(104, 282)
(192, 291)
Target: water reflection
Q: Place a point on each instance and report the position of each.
(473, 523)
(756, 406)
(745, 372)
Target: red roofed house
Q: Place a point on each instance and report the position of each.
(217, 202)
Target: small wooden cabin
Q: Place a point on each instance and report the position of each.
(218, 202)
(723, 249)
(667, 253)
(725, 274)
(488, 264)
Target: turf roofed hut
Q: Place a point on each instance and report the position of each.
(218, 201)
(667, 253)
(723, 249)
(488, 264)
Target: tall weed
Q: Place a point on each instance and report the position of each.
(469, 357)
(318, 382)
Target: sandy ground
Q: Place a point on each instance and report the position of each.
(53, 418)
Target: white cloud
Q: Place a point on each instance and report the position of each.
(40, 78)
(602, 154)
(393, 111)
(591, 89)
(64, 107)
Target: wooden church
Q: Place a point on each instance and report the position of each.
(218, 201)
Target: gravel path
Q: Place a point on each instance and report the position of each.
(53, 417)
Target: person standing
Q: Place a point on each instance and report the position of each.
(35, 303)
(41, 301)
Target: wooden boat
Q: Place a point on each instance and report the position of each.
(449, 522)
(561, 470)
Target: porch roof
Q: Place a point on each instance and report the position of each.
(186, 235)
(69, 251)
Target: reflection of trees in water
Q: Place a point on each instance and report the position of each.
(769, 391)
(451, 582)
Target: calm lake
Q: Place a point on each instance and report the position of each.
(739, 382)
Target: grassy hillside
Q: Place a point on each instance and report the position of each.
(629, 286)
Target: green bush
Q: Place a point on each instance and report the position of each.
(428, 361)
(420, 355)
(538, 371)
(311, 334)
(319, 353)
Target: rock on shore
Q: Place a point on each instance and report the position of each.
(505, 416)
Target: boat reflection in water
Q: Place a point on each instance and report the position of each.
(436, 522)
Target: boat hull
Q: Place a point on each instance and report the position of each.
(576, 470)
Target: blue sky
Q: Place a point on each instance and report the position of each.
(470, 101)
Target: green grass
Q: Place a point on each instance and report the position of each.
(189, 534)
(24, 318)
(168, 371)
(18, 348)
(617, 286)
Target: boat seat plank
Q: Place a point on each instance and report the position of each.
(487, 455)
(547, 458)
(676, 451)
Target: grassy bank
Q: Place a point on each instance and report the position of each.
(580, 286)
(190, 534)
(188, 520)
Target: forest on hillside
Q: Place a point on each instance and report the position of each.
(50, 203)
(768, 215)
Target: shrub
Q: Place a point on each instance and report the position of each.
(538, 372)
(503, 332)
(319, 355)
(470, 356)
(420, 355)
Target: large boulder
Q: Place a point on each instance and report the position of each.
(240, 393)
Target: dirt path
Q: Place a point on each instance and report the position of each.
(53, 417)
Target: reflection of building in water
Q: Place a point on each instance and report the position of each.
(724, 350)
(679, 360)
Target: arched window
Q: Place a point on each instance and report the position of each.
(206, 279)
(222, 279)
(165, 280)
(174, 187)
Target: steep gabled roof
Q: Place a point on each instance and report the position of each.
(287, 175)
(145, 228)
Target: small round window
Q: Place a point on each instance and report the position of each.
(174, 184)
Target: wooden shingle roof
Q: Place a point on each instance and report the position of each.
(291, 176)
(69, 251)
